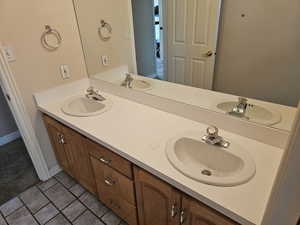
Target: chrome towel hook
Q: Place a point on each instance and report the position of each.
(45, 42)
(104, 31)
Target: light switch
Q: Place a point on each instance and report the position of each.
(65, 72)
(105, 60)
(9, 54)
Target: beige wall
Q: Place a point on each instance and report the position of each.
(7, 122)
(119, 47)
(258, 55)
(21, 26)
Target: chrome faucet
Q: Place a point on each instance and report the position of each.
(241, 108)
(94, 94)
(212, 137)
(128, 81)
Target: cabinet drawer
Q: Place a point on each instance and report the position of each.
(111, 183)
(111, 159)
(122, 208)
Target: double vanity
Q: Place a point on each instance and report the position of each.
(152, 167)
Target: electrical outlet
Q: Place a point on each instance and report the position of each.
(9, 54)
(65, 72)
(105, 60)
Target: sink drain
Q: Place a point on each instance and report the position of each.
(206, 172)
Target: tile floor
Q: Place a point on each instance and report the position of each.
(58, 201)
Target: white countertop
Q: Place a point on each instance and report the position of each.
(139, 133)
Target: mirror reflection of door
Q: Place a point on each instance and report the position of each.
(176, 40)
(192, 39)
(145, 42)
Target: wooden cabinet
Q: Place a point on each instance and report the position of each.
(160, 204)
(76, 146)
(111, 159)
(115, 190)
(71, 151)
(196, 213)
(55, 132)
(135, 195)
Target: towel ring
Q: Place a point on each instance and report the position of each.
(44, 41)
(105, 36)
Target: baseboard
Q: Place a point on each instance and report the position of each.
(9, 138)
(54, 170)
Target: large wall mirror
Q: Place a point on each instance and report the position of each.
(240, 58)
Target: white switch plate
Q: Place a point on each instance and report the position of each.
(9, 54)
(65, 72)
(105, 60)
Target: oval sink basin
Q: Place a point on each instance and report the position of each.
(210, 164)
(81, 106)
(254, 113)
(141, 85)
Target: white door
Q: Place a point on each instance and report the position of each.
(192, 28)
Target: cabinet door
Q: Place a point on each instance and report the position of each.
(196, 213)
(56, 137)
(75, 147)
(158, 203)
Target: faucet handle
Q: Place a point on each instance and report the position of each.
(212, 131)
(213, 137)
(129, 76)
(90, 90)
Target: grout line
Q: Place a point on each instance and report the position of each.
(15, 209)
(47, 188)
(1, 214)
(30, 212)
(99, 217)
(62, 183)
(86, 209)
(51, 219)
(59, 210)
(45, 207)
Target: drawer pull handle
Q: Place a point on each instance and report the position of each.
(105, 161)
(109, 182)
(182, 217)
(173, 210)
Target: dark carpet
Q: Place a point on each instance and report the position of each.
(16, 170)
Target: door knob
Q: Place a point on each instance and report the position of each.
(209, 53)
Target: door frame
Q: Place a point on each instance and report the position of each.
(21, 116)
